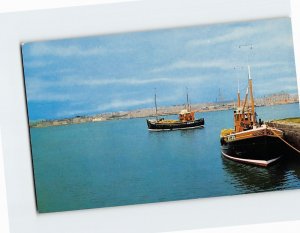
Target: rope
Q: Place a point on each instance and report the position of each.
(285, 141)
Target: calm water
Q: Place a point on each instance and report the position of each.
(119, 162)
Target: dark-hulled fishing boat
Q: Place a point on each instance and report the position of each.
(186, 120)
(251, 141)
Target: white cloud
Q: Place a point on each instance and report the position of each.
(35, 96)
(36, 82)
(42, 49)
(288, 84)
(137, 81)
(185, 64)
(232, 35)
(276, 42)
(123, 104)
(41, 90)
(37, 64)
(266, 35)
(45, 90)
(213, 64)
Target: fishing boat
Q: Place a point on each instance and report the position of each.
(251, 141)
(186, 120)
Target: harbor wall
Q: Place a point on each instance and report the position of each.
(291, 131)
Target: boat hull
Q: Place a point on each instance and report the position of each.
(261, 150)
(159, 126)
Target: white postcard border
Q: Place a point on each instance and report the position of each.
(103, 19)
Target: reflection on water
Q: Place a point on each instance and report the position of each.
(188, 132)
(246, 178)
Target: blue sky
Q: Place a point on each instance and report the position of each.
(91, 75)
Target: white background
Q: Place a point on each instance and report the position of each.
(19, 5)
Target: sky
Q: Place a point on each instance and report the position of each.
(121, 72)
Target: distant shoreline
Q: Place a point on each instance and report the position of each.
(149, 112)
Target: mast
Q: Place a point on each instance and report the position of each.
(187, 100)
(250, 86)
(246, 100)
(155, 104)
(238, 92)
(239, 95)
(251, 95)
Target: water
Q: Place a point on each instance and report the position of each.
(120, 162)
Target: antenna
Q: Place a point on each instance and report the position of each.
(187, 99)
(220, 97)
(250, 46)
(238, 80)
(155, 103)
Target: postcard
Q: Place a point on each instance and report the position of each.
(163, 115)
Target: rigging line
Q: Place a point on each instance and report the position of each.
(284, 141)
